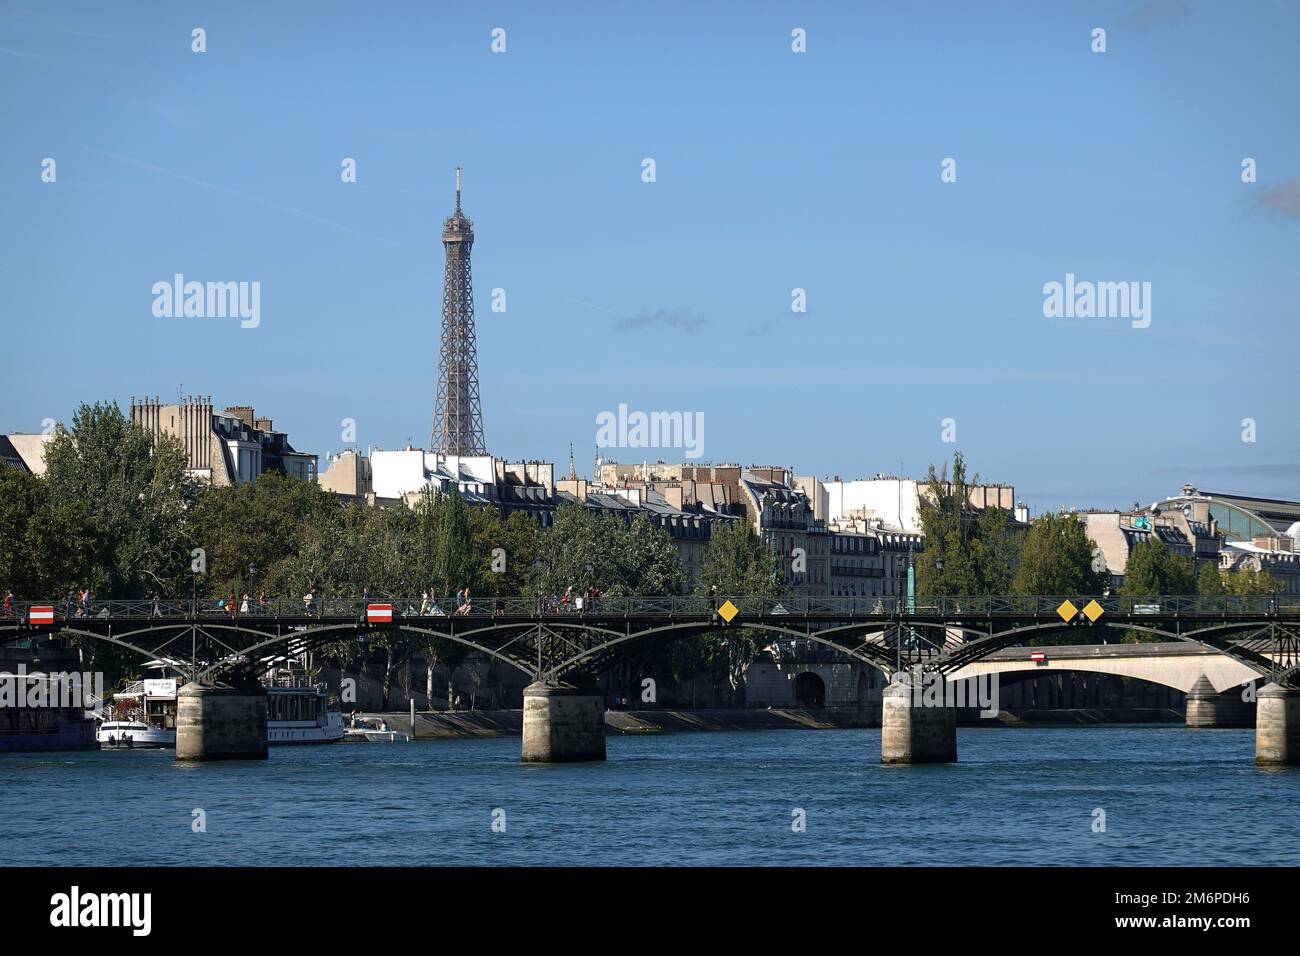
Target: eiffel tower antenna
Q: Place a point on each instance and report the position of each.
(457, 417)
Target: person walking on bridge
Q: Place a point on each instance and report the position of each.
(9, 603)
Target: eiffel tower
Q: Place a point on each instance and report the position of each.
(457, 418)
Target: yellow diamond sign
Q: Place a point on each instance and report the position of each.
(1067, 610)
(1092, 610)
(728, 611)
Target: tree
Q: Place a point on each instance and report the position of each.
(504, 549)
(1209, 581)
(46, 548)
(584, 549)
(1153, 569)
(131, 489)
(964, 553)
(1246, 582)
(263, 524)
(448, 542)
(649, 558)
(997, 551)
(739, 564)
(1056, 557)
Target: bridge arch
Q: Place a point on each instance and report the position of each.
(1217, 638)
(148, 655)
(318, 636)
(1172, 670)
(837, 638)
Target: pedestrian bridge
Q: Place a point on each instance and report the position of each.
(562, 648)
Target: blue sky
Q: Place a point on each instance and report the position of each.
(774, 170)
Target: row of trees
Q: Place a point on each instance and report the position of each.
(984, 554)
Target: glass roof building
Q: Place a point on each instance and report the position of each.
(1240, 518)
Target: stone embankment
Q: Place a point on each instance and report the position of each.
(509, 723)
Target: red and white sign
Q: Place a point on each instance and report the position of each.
(1038, 656)
(40, 615)
(379, 613)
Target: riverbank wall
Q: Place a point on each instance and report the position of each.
(509, 723)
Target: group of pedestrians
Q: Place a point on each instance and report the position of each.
(243, 607)
(462, 603)
(574, 602)
(78, 603)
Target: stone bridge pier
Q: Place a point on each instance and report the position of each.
(1208, 708)
(911, 731)
(1277, 727)
(221, 722)
(563, 723)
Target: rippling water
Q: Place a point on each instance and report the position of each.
(1018, 796)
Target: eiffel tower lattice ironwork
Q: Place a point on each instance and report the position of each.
(457, 418)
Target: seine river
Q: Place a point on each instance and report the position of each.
(1018, 796)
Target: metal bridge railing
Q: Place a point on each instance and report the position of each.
(931, 608)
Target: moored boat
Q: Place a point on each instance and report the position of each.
(299, 711)
(142, 714)
(371, 730)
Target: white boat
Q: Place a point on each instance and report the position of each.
(133, 735)
(299, 712)
(372, 729)
(142, 715)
